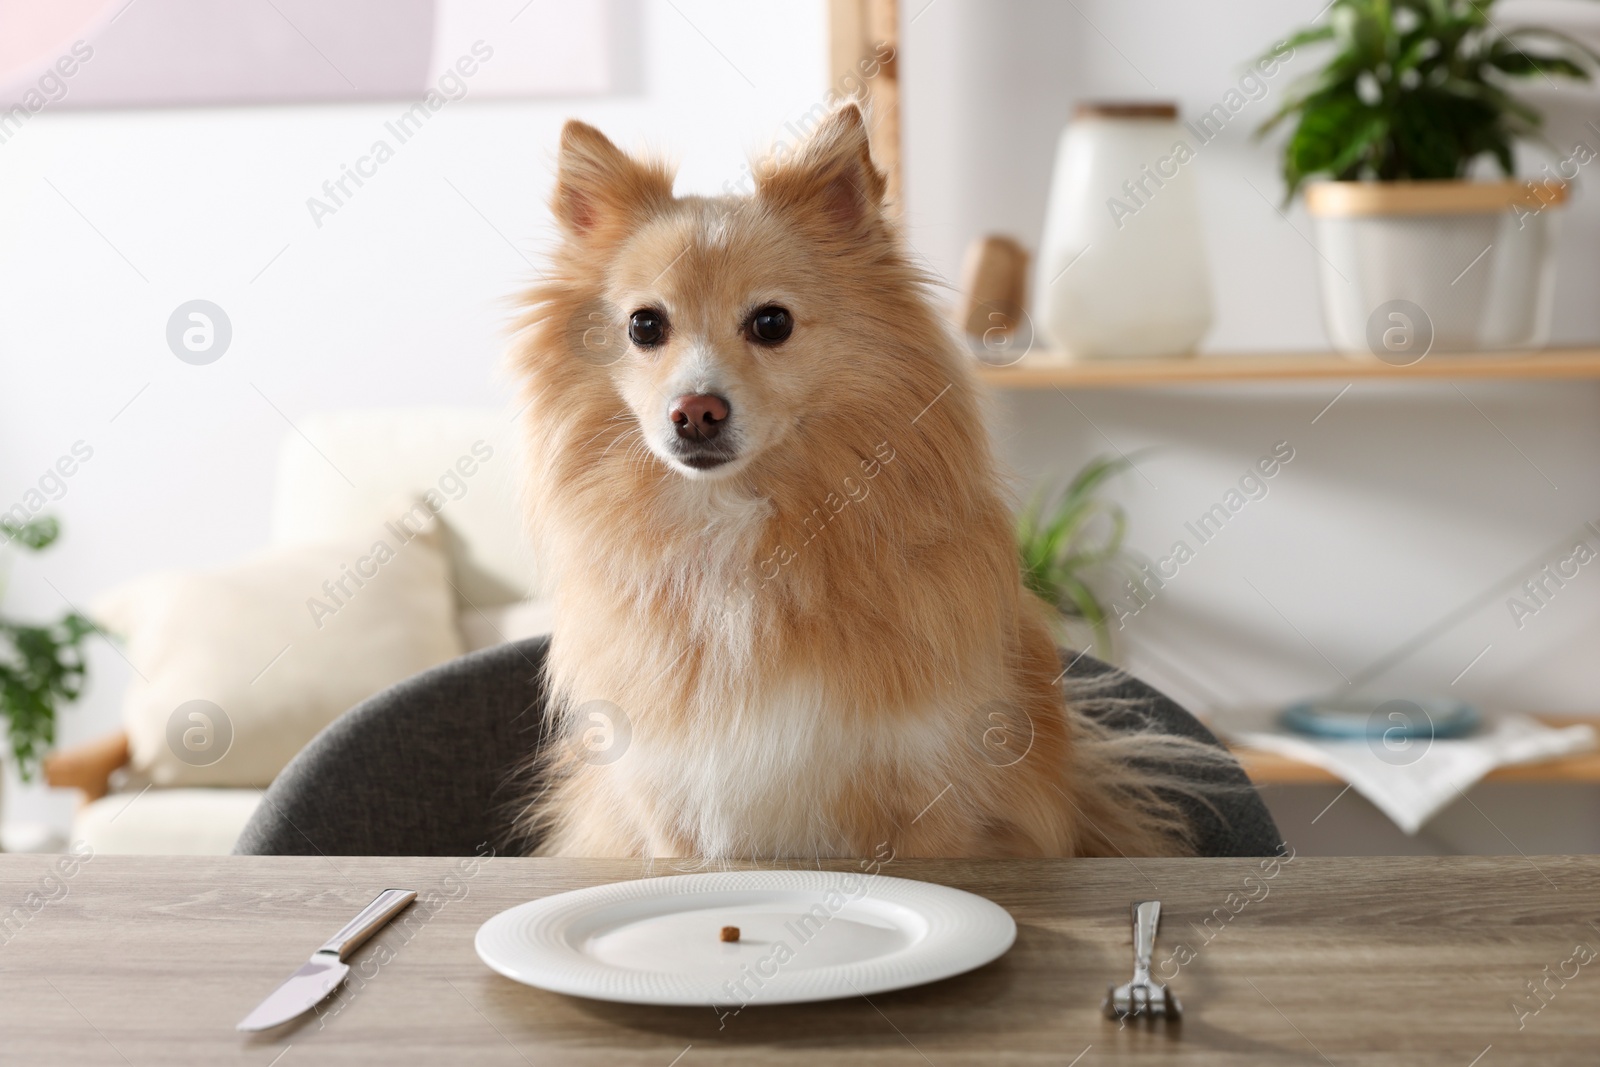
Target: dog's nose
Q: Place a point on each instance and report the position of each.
(698, 416)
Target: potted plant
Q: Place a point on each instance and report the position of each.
(1070, 545)
(1413, 104)
(41, 666)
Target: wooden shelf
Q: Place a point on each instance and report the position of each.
(1045, 371)
(1269, 768)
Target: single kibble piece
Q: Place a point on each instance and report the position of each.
(730, 933)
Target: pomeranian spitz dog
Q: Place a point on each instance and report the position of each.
(786, 586)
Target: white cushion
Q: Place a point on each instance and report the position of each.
(468, 459)
(238, 668)
(166, 822)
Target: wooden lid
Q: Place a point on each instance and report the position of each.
(1125, 109)
(1346, 199)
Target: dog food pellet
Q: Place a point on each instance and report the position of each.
(730, 933)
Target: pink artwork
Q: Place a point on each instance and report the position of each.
(177, 53)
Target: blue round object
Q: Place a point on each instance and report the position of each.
(1347, 719)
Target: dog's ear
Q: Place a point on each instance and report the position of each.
(831, 175)
(599, 188)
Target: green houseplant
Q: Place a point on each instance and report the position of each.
(41, 666)
(1070, 543)
(1413, 99)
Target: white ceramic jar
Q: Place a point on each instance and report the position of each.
(1122, 266)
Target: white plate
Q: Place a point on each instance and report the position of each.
(804, 935)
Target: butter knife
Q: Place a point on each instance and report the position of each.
(321, 975)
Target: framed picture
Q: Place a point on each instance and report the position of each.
(185, 53)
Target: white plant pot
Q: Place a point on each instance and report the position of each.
(1122, 266)
(1409, 268)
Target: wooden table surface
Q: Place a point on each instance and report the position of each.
(142, 960)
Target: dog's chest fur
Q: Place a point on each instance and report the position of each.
(751, 763)
(778, 776)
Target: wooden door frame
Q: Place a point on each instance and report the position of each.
(864, 61)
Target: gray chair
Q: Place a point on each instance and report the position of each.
(431, 767)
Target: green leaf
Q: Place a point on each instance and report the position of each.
(35, 533)
(1297, 40)
(1523, 65)
(41, 667)
(1442, 70)
(1332, 138)
(1575, 48)
(1071, 541)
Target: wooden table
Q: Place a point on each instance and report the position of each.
(142, 960)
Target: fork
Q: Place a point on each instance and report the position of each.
(1143, 996)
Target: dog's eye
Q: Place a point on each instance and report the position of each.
(770, 325)
(647, 327)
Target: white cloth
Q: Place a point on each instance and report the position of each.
(1412, 786)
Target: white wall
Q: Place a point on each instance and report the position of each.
(400, 298)
(1401, 504)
